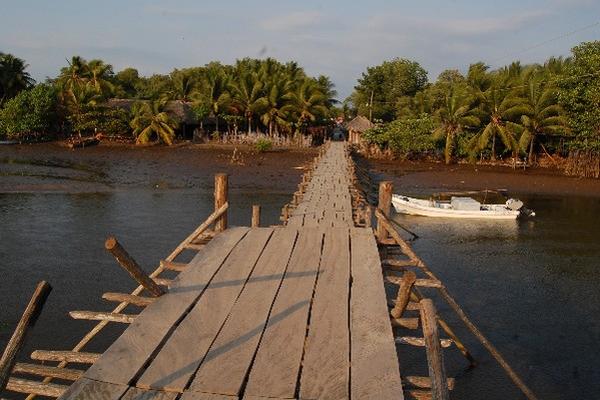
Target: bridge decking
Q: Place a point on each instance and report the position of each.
(294, 311)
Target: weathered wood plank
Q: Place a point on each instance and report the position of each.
(227, 363)
(125, 358)
(375, 372)
(277, 362)
(146, 394)
(326, 363)
(86, 389)
(174, 365)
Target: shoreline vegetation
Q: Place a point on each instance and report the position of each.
(537, 115)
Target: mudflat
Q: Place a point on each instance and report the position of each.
(50, 167)
(428, 177)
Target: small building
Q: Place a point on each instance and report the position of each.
(356, 127)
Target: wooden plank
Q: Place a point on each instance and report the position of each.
(375, 372)
(226, 365)
(86, 389)
(277, 362)
(205, 396)
(326, 364)
(146, 394)
(125, 358)
(172, 368)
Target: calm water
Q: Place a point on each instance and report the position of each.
(532, 286)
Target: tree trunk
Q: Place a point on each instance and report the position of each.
(217, 124)
(494, 146)
(448, 150)
(249, 125)
(530, 158)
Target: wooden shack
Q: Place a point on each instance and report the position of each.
(356, 127)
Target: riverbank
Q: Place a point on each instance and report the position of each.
(50, 167)
(418, 177)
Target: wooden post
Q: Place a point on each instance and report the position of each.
(28, 319)
(385, 203)
(435, 357)
(132, 267)
(255, 216)
(221, 193)
(406, 283)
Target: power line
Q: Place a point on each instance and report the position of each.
(545, 42)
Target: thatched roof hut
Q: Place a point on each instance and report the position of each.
(356, 127)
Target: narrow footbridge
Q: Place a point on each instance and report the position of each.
(293, 311)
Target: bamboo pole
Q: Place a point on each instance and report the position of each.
(221, 193)
(255, 216)
(382, 219)
(28, 319)
(435, 357)
(132, 267)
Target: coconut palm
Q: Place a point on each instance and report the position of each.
(151, 121)
(306, 104)
(216, 96)
(543, 115)
(13, 77)
(246, 91)
(272, 103)
(185, 86)
(498, 104)
(455, 116)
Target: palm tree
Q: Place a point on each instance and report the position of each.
(455, 116)
(246, 91)
(151, 121)
(272, 103)
(13, 77)
(99, 75)
(498, 105)
(184, 86)
(306, 104)
(216, 96)
(543, 115)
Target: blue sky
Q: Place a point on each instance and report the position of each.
(338, 38)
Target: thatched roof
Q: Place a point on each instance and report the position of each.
(359, 124)
(180, 109)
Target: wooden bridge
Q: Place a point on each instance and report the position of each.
(296, 311)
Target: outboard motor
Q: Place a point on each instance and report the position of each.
(514, 204)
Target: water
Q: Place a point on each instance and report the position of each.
(60, 238)
(532, 287)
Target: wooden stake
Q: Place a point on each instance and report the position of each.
(132, 267)
(384, 205)
(45, 370)
(103, 316)
(129, 298)
(28, 319)
(68, 356)
(39, 388)
(255, 216)
(221, 193)
(406, 283)
(435, 357)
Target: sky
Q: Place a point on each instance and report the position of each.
(331, 37)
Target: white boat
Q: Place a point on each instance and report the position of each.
(458, 207)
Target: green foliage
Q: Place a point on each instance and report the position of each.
(263, 145)
(151, 122)
(108, 121)
(386, 84)
(579, 94)
(13, 77)
(405, 137)
(31, 114)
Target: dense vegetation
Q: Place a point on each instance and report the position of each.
(251, 95)
(515, 111)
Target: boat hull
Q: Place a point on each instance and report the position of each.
(411, 206)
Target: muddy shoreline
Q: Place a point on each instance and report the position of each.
(428, 177)
(50, 167)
